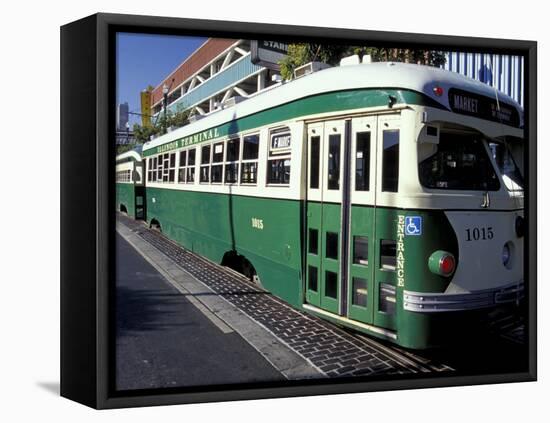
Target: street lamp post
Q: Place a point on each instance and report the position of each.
(127, 133)
(165, 89)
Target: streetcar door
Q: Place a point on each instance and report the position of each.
(385, 240)
(352, 182)
(324, 267)
(362, 245)
(139, 189)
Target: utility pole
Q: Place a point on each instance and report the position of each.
(165, 89)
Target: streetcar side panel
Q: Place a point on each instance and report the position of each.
(258, 221)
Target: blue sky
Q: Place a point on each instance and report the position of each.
(144, 59)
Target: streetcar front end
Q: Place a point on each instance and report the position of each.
(466, 262)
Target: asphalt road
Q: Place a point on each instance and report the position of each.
(164, 341)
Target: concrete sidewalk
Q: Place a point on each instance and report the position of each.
(224, 316)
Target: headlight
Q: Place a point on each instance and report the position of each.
(442, 263)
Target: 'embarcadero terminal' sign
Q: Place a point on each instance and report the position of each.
(185, 141)
(476, 105)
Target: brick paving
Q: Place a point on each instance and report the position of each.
(332, 350)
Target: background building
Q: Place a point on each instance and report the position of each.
(219, 70)
(503, 72)
(122, 116)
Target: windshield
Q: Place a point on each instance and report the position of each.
(458, 162)
(511, 175)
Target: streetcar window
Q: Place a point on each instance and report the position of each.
(233, 150)
(362, 161)
(250, 147)
(332, 245)
(331, 284)
(390, 161)
(313, 241)
(217, 173)
(314, 162)
(334, 162)
(386, 298)
(312, 279)
(181, 169)
(159, 168)
(249, 173)
(181, 175)
(249, 169)
(205, 154)
(217, 155)
(191, 157)
(360, 250)
(278, 171)
(190, 174)
(232, 165)
(183, 158)
(359, 297)
(172, 168)
(190, 177)
(459, 162)
(388, 254)
(231, 173)
(511, 175)
(205, 174)
(205, 159)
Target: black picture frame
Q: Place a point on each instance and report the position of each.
(87, 179)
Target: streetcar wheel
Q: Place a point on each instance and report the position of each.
(155, 225)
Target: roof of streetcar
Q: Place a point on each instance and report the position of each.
(388, 75)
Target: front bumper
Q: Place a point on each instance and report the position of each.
(431, 302)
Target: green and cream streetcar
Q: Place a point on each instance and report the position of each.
(130, 187)
(384, 197)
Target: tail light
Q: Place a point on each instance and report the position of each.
(442, 263)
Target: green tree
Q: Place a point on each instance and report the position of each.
(175, 119)
(300, 54)
(142, 134)
(123, 148)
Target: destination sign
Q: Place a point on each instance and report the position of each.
(472, 104)
(280, 141)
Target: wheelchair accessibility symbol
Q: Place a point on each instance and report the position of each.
(413, 225)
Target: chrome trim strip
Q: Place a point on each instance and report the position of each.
(432, 302)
